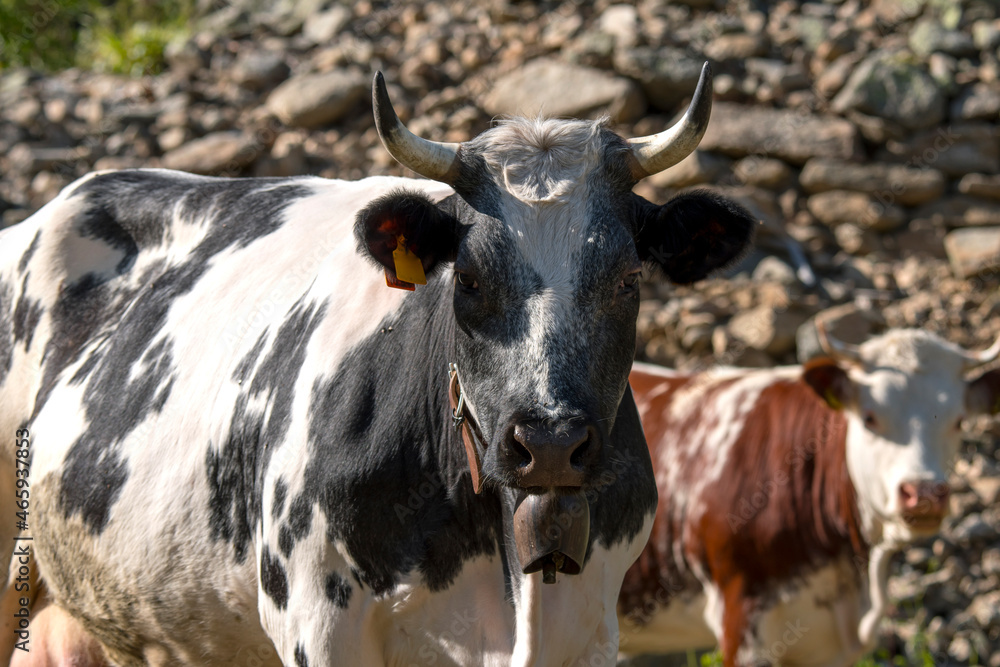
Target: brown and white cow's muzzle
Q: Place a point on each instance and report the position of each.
(923, 505)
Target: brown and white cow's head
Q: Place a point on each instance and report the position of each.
(545, 241)
(905, 397)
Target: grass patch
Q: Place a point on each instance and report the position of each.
(123, 36)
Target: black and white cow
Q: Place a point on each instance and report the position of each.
(241, 436)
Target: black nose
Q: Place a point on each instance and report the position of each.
(552, 454)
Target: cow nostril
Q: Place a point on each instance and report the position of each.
(521, 454)
(578, 458)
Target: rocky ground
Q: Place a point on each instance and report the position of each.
(866, 137)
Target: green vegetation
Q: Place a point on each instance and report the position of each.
(125, 36)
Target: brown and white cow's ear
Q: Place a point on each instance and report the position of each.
(412, 224)
(982, 395)
(829, 381)
(694, 234)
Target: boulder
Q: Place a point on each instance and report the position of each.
(979, 101)
(980, 185)
(555, 88)
(314, 100)
(955, 150)
(766, 329)
(216, 153)
(866, 212)
(667, 75)
(889, 85)
(973, 250)
(959, 211)
(891, 184)
(699, 167)
(739, 130)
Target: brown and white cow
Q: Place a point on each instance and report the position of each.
(784, 491)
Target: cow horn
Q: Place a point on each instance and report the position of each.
(432, 159)
(657, 152)
(973, 359)
(836, 348)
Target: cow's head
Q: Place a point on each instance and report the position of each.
(905, 397)
(544, 243)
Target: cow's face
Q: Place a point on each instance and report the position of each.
(905, 399)
(544, 244)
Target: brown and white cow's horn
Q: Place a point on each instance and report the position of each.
(973, 359)
(657, 152)
(432, 159)
(836, 348)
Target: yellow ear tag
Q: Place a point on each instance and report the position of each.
(832, 400)
(408, 266)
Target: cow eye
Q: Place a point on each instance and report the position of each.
(629, 283)
(466, 280)
(871, 422)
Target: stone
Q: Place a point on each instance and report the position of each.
(762, 172)
(258, 70)
(980, 185)
(979, 101)
(772, 269)
(314, 100)
(560, 89)
(973, 250)
(833, 77)
(778, 74)
(739, 130)
(890, 86)
(766, 329)
(622, 23)
(929, 36)
(986, 35)
(736, 46)
(323, 27)
(973, 529)
(847, 323)
(986, 610)
(30, 159)
(699, 167)
(959, 211)
(667, 75)
(987, 488)
(835, 207)
(217, 153)
(891, 184)
(955, 150)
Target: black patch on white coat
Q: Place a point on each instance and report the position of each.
(236, 470)
(94, 471)
(27, 314)
(273, 579)
(280, 493)
(338, 591)
(6, 330)
(132, 211)
(300, 656)
(22, 265)
(378, 429)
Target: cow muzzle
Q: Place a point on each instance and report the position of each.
(551, 532)
(545, 455)
(923, 504)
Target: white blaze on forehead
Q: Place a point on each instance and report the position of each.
(542, 170)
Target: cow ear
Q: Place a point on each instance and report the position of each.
(694, 234)
(428, 232)
(982, 395)
(829, 381)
